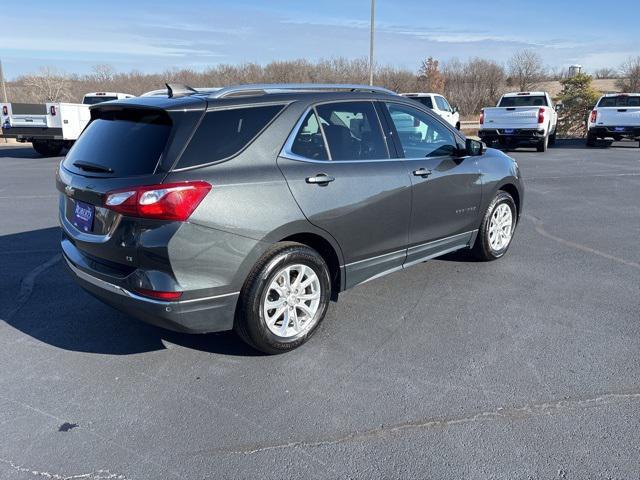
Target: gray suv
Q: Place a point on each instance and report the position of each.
(251, 207)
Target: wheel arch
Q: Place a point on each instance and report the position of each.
(328, 252)
(512, 190)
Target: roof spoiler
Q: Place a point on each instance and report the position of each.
(175, 90)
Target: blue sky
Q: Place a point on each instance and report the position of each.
(153, 36)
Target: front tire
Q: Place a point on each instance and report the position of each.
(497, 227)
(284, 298)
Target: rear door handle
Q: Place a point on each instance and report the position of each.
(320, 179)
(422, 172)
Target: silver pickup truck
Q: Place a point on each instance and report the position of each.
(520, 118)
(615, 116)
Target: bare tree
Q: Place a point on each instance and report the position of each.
(604, 73)
(103, 73)
(526, 69)
(630, 76)
(473, 84)
(48, 85)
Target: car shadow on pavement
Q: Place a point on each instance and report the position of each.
(18, 151)
(39, 298)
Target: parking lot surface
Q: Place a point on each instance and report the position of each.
(528, 367)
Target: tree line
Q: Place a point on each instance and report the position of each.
(468, 84)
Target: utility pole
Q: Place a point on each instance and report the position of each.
(4, 86)
(371, 40)
(4, 90)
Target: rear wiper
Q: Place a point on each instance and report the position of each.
(92, 167)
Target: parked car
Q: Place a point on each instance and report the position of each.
(521, 118)
(615, 116)
(53, 126)
(252, 207)
(438, 104)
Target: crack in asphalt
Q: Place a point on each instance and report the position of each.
(500, 413)
(539, 226)
(28, 282)
(96, 475)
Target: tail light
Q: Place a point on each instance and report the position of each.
(169, 201)
(594, 116)
(541, 115)
(52, 109)
(158, 295)
(482, 117)
(5, 110)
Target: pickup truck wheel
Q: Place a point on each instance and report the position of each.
(552, 139)
(458, 126)
(284, 298)
(591, 140)
(543, 144)
(48, 148)
(497, 227)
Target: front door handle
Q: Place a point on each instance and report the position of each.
(320, 179)
(422, 172)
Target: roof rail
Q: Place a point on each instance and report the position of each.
(265, 88)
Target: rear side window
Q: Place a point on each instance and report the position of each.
(352, 131)
(309, 142)
(620, 101)
(426, 101)
(223, 133)
(121, 143)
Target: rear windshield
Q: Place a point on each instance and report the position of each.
(224, 133)
(524, 101)
(94, 100)
(620, 101)
(123, 142)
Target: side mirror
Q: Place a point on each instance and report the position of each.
(559, 107)
(474, 148)
(455, 110)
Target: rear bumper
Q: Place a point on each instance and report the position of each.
(28, 134)
(516, 135)
(615, 131)
(196, 315)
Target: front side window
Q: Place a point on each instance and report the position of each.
(420, 134)
(352, 131)
(442, 104)
(426, 101)
(224, 133)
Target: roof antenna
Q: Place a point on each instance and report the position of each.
(175, 90)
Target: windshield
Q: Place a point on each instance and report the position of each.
(524, 101)
(95, 100)
(620, 101)
(122, 143)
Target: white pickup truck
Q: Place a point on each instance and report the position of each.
(616, 116)
(520, 118)
(50, 127)
(439, 105)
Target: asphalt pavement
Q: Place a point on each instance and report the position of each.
(524, 368)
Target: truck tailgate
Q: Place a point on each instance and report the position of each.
(511, 117)
(28, 115)
(618, 117)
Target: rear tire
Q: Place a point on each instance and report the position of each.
(490, 244)
(543, 144)
(591, 139)
(276, 312)
(552, 139)
(48, 148)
